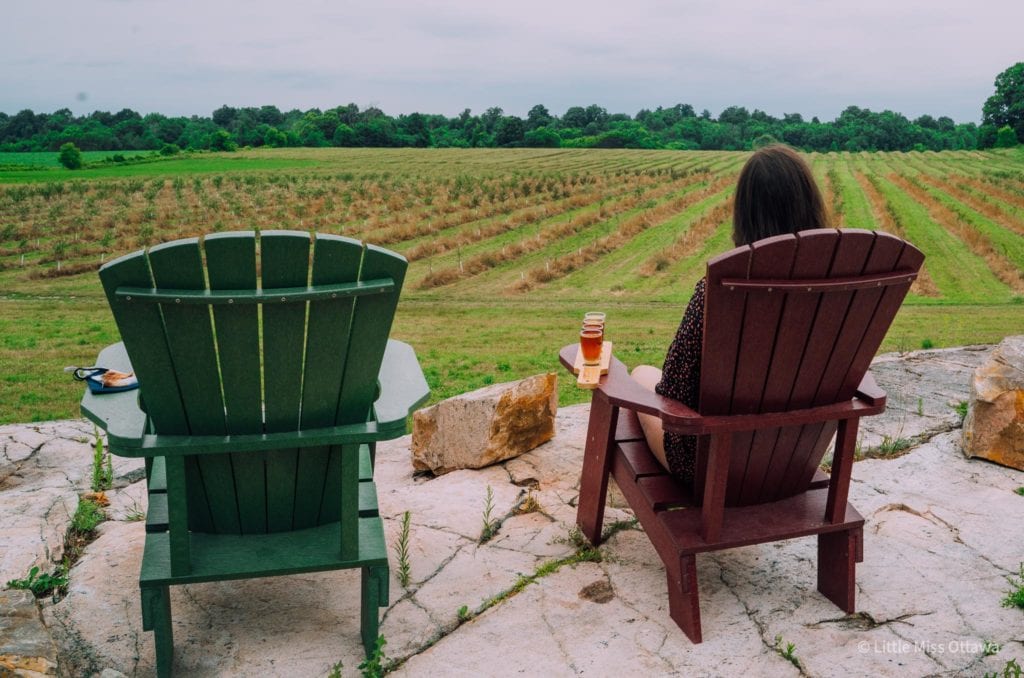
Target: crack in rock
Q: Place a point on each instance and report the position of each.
(938, 522)
(864, 621)
(762, 629)
(558, 643)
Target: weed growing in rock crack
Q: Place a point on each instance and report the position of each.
(377, 664)
(989, 648)
(335, 671)
(890, 446)
(81, 531)
(102, 466)
(490, 524)
(1015, 598)
(920, 406)
(787, 652)
(41, 584)
(576, 538)
(618, 526)
(463, 614)
(134, 513)
(585, 553)
(87, 516)
(1011, 670)
(529, 504)
(1020, 491)
(402, 551)
(961, 410)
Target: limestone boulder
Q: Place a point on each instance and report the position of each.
(485, 426)
(994, 427)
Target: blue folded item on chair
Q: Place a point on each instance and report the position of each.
(105, 380)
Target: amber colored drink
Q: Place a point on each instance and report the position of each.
(591, 340)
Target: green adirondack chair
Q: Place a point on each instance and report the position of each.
(266, 378)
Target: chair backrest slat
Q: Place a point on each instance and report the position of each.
(231, 265)
(284, 261)
(795, 348)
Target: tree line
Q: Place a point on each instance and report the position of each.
(677, 127)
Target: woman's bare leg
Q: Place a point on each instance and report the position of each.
(648, 377)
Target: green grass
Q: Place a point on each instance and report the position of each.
(50, 159)
(476, 330)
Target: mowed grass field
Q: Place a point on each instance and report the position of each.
(507, 248)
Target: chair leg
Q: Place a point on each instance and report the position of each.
(683, 597)
(837, 563)
(596, 465)
(374, 595)
(156, 617)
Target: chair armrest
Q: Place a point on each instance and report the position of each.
(869, 392)
(403, 387)
(623, 391)
(118, 414)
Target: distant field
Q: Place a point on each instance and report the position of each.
(507, 247)
(50, 159)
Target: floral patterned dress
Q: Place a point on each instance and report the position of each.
(680, 380)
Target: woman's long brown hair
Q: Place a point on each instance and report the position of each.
(776, 194)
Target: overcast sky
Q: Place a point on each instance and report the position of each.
(814, 57)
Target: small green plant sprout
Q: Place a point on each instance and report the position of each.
(402, 550)
(787, 651)
(1011, 670)
(374, 666)
(1020, 491)
(961, 410)
(463, 613)
(335, 671)
(920, 406)
(102, 465)
(490, 524)
(989, 648)
(134, 513)
(87, 516)
(1015, 598)
(890, 446)
(927, 344)
(41, 584)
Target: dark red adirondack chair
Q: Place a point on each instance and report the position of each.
(791, 325)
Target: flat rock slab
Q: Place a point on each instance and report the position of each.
(43, 469)
(929, 589)
(26, 648)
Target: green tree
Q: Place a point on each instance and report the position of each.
(1006, 106)
(1006, 137)
(542, 137)
(539, 116)
(221, 141)
(274, 137)
(70, 156)
(510, 131)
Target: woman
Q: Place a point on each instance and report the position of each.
(776, 194)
